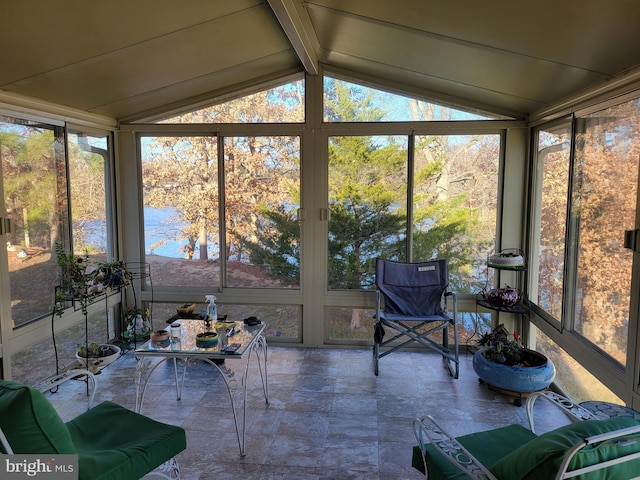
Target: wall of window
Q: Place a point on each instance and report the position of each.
(245, 197)
(55, 191)
(238, 204)
(585, 199)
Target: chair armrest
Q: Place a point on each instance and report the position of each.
(575, 412)
(454, 302)
(426, 430)
(563, 471)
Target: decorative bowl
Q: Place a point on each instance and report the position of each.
(160, 336)
(206, 339)
(186, 308)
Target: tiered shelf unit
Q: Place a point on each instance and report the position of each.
(522, 307)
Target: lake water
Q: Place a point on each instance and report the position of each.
(160, 233)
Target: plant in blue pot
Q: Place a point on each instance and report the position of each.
(504, 364)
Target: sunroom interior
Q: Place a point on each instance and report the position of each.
(236, 148)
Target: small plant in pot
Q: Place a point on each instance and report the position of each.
(138, 323)
(95, 355)
(499, 348)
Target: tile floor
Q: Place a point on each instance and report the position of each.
(329, 416)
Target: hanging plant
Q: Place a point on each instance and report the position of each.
(82, 280)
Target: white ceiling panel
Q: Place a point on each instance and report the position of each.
(219, 45)
(126, 59)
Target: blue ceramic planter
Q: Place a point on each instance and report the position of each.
(514, 378)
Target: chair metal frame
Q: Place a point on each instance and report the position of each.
(413, 326)
(427, 430)
(169, 470)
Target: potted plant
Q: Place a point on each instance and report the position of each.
(83, 281)
(96, 355)
(505, 364)
(138, 323)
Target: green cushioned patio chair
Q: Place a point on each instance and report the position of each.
(112, 442)
(589, 448)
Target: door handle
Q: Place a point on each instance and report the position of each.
(5, 226)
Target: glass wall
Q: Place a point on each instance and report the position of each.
(41, 189)
(604, 197)
(279, 104)
(455, 200)
(367, 199)
(224, 208)
(585, 198)
(454, 182)
(571, 377)
(55, 194)
(375, 105)
(36, 200)
(411, 197)
(90, 205)
(552, 169)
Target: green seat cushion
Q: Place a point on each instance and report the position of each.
(541, 457)
(30, 422)
(115, 443)
(488, 447)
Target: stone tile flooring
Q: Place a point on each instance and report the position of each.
(329, 416)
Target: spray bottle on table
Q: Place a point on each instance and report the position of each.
(211, 309)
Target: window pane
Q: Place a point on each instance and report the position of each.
(281, 321)
(351, 324)
(604, 206)
(571, 377)
(262, 197)
(380, 106)
(367, 200)
(553, 170)
(180, 195)
(38, 361)
(281, 104)
(454, 204)
(34, 177)
(88, 156)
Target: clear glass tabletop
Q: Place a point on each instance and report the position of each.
(186, 345)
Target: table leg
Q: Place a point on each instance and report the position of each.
(260, 349)
(145, 368)
(141, 377)
(231, 383)
(184, 374)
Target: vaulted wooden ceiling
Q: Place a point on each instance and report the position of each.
(130, 59)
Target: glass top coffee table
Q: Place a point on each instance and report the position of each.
(186, 349)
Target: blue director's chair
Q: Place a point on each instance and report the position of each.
(411, 299)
